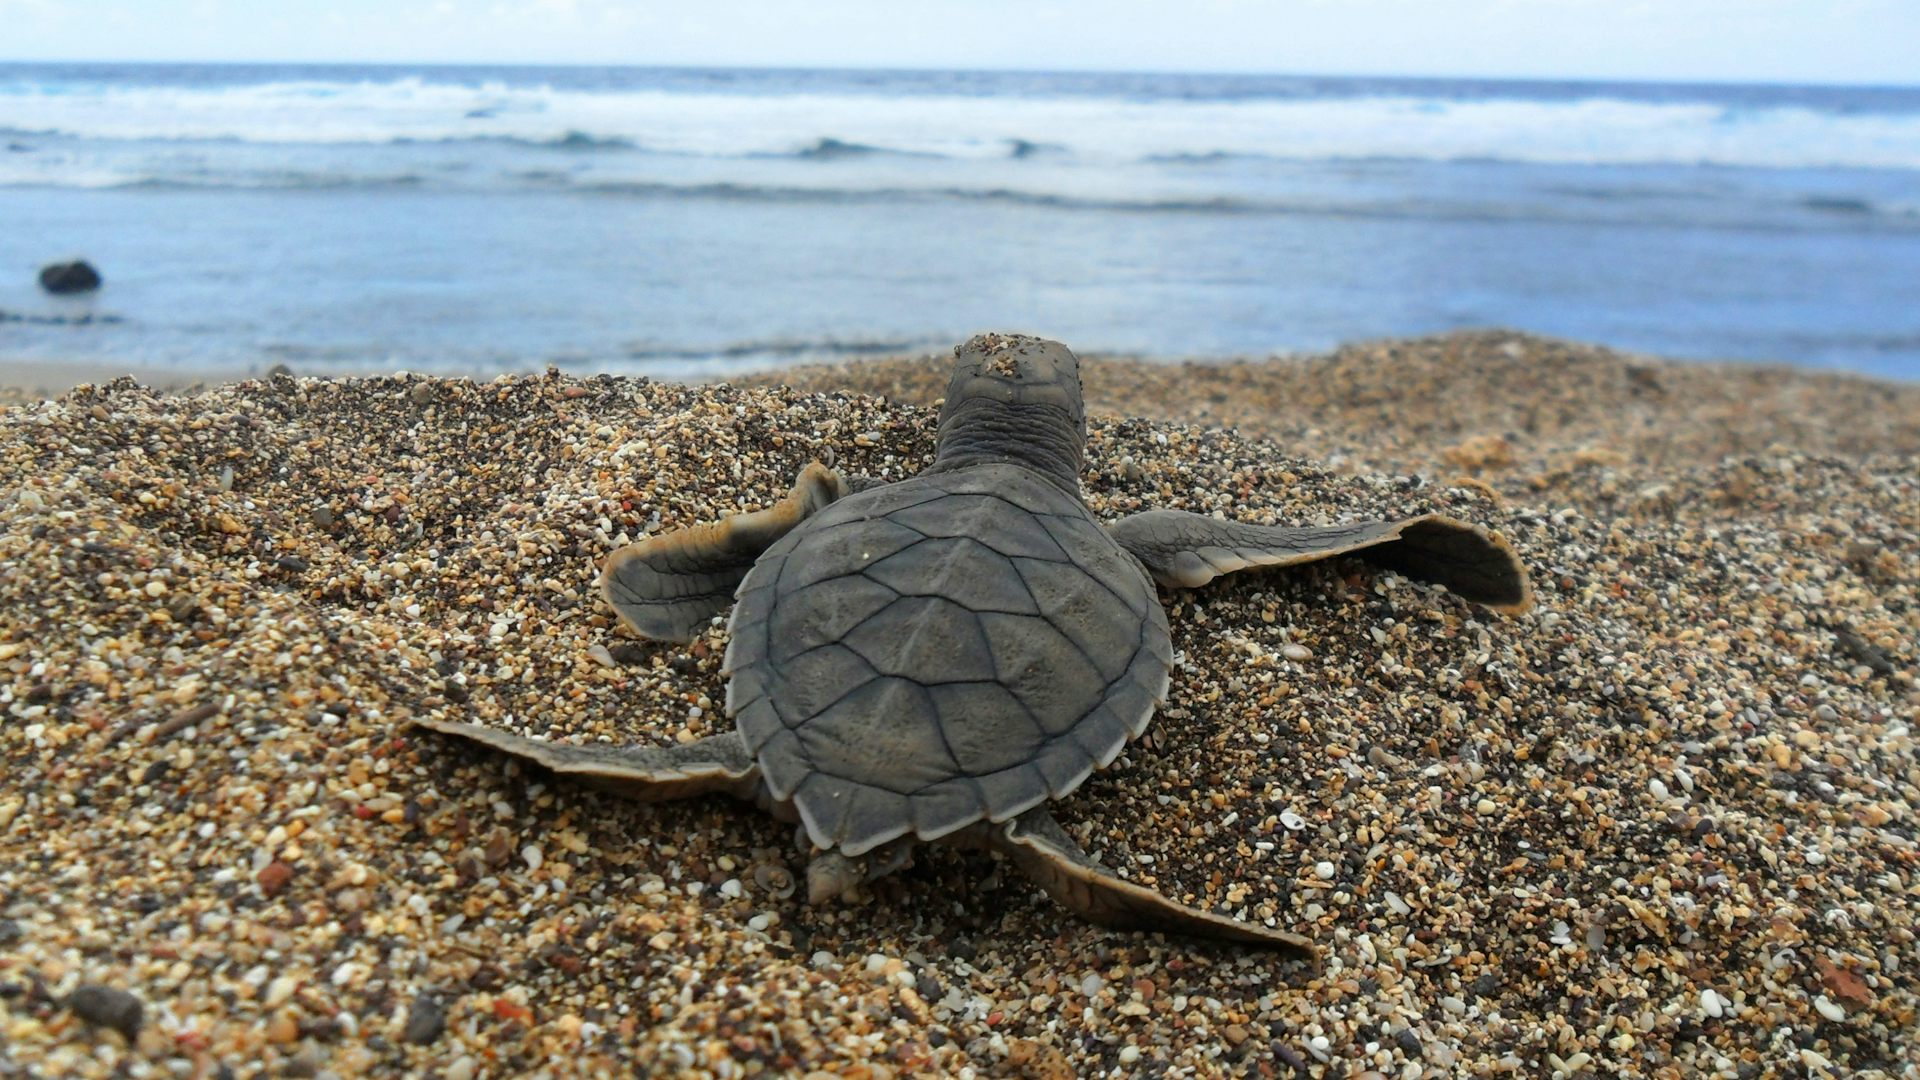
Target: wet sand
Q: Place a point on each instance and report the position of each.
(1663, 825)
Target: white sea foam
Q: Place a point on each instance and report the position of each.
(1097, 129)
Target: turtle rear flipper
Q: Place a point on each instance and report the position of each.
(718, 763)
(1044, 852)
(666, 587)
(1185, 550)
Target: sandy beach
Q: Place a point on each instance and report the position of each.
(1663, 825)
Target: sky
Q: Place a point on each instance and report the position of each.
(1822, 41)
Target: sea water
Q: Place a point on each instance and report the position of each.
(681, 221)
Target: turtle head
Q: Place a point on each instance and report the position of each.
(1015, 398)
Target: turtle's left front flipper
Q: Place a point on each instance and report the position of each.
(1187, 550)
(666, 587)
(1044, 852)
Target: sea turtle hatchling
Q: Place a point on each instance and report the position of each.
(935, 659)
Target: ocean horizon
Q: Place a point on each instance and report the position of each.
(683, 221)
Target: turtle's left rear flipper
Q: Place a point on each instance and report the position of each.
(1042, 849)
(1185, 550)
(666, 587)
(718, 763)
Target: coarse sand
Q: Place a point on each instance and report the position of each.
(1661, 826)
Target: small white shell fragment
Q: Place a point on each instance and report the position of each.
(1829, 1008)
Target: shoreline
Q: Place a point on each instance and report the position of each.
(27, 379)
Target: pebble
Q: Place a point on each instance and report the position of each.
(273, 877)
(1296, 652)
(107, 1007)
(283, 1030)
(426, 1020)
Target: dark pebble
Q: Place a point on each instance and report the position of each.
(1409, 1042)
(1864, 651)
(626, 652)
(1290, 1056)
(103, 1006)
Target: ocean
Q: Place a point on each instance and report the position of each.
(472, 220)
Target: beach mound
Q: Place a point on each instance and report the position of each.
(1662, 825)
(1516, 409)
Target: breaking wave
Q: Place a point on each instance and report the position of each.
(1598, 128)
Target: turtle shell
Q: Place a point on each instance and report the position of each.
(958, 646)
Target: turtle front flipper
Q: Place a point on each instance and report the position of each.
(1044, 852)
(718, 763)
(666, 587)
(1185, 550)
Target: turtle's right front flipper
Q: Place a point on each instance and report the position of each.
(1186, 551)
(666, 587)
(718, 763)
(1042, 849)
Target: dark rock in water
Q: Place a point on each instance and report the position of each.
(73, 277)
(103, 1006)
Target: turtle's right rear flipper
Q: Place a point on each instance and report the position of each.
(1042, 849)
(666, 587)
